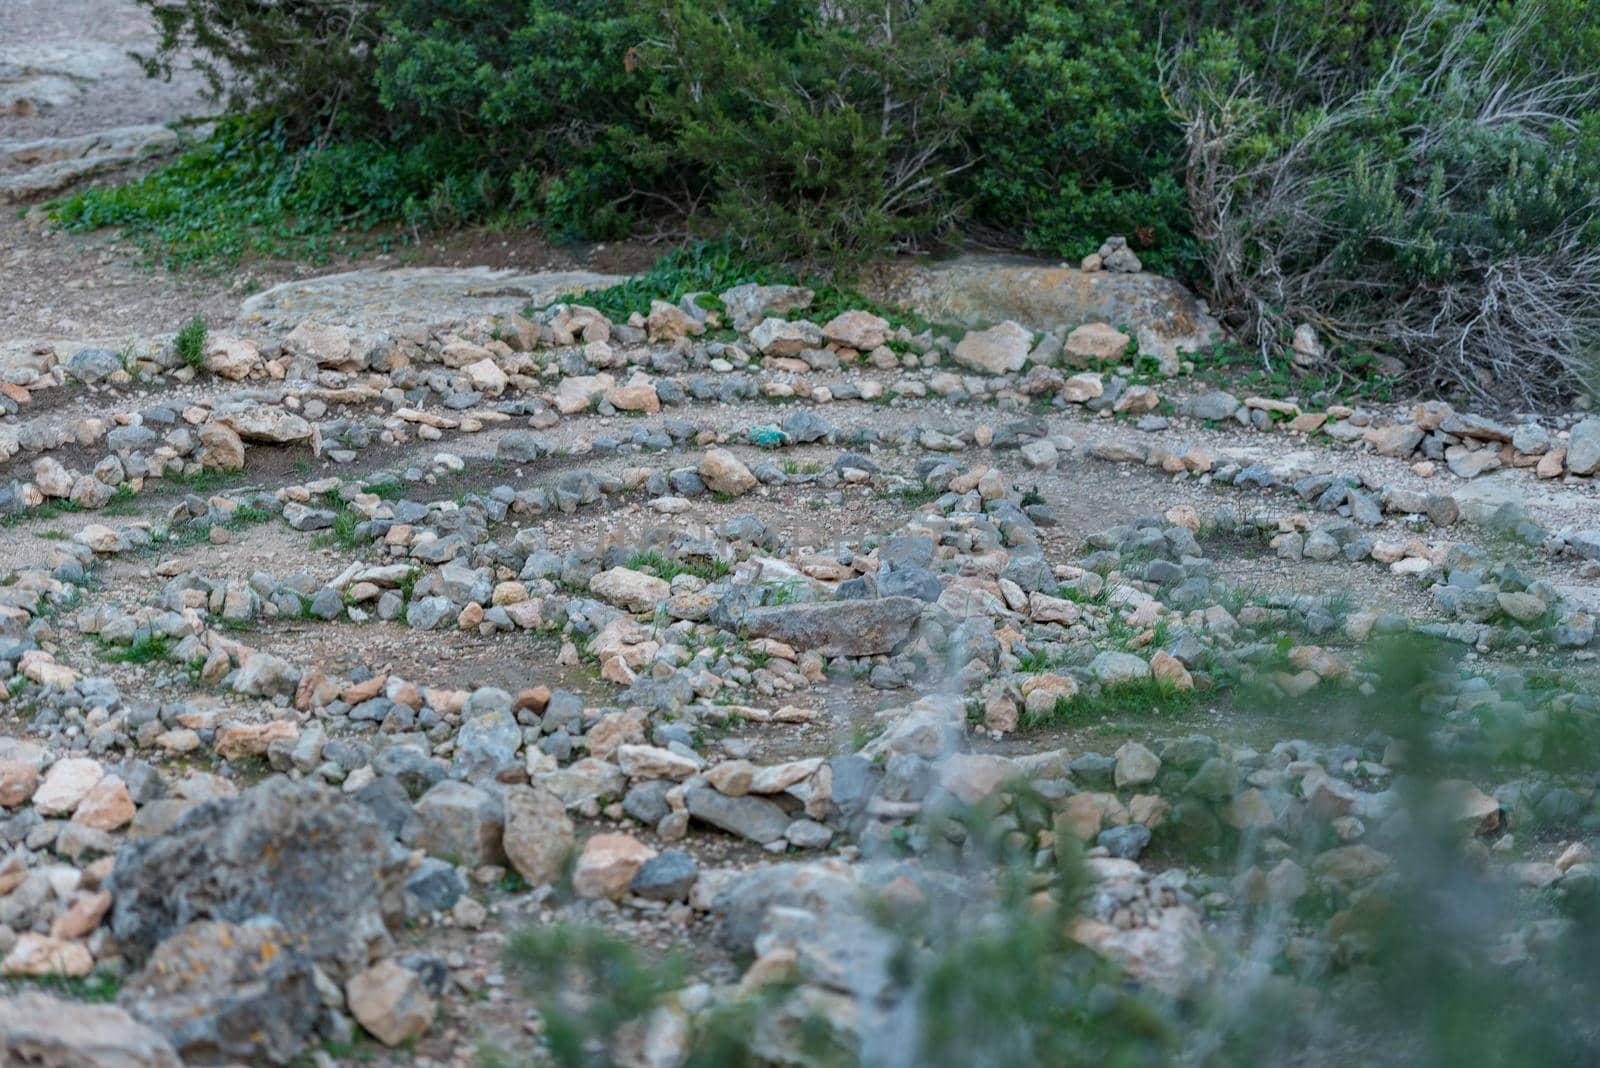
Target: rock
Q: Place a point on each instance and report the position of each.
(668, 876)
(257, 422)
(608, 865)
(836, 628)
(106, 807)
(520, 446)
(487, 744)
(1583, 447)
(460, 822)
(316, 861)
(1097, 341)
(1467, 807)
(538, 833)
(978, 290)
(724, 472)
(389, 1000)
(486, 377)
(265, 675)
(1125, 842)
(1136, 765)
(785, 337)
(91, 366)
(228, 992)
(749, 304)
(232, 358)
(38, 955)
(750, 816)
(40, 1031)
(633, 590)
(858, 330)
(222, 449)
(66, 784)
(1112, 668)
(999, 350)
(412, 299)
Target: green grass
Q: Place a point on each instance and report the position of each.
(244, 192)
(668, 569)
(342, 534)
(207, 480)
(1145, 698)
(146, 649)
(387, 491)
(915, 495)
(191, 343)
(48, 510)
(98, 987)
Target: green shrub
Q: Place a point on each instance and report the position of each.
(191, 343)
(308, 62)
(1429, 190)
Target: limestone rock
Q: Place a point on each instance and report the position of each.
(999, 350)
(389, 1000)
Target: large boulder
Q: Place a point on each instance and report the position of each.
(975, 291)
(226, 992)
(402, 300)
(836, 628)
(44, 1032)
(316, 861)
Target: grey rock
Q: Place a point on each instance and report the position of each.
(460, 823)
(1583, 447)
(1125, 842)
(836, 628)
(225, 992)
(316, 861)
(749, 816)
(40, 1031)
(487, 744)
(668, 876)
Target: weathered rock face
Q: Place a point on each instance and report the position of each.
(44, 1032)
(836, 628)
(980, 290)
(538, 833)
(411, 297)
(316, 861)
(225, 992)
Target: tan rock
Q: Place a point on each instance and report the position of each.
(40, 955)
(66, 784)
(232, 358)
(633, 590)
(538, 835)
(18, 780)
(240, 740)
(390, 1001)
(641, 398)
(608, 864)
(1100, 342)
(1001, 349)
(724, 472)
(82, 917)
(1169, 669)
(108, 806)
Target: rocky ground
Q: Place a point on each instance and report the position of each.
(414, 608)
(409, 611)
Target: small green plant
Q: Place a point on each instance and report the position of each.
(144, 649)
(191, 343)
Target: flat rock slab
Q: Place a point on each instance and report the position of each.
(836, 628)
(979, 291)
(411, 298)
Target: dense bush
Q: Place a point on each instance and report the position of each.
(308, 61)
(1417, 179)
(1426, 184)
